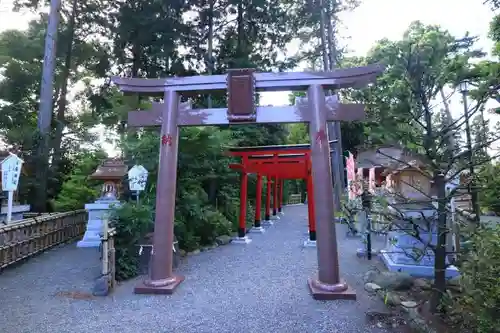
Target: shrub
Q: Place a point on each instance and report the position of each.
(480, 301)
(132, 223)
(79, 189)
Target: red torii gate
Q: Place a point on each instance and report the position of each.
(278, 163)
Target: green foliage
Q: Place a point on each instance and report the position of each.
(489, 183)
(79, 189)
(198, 223)
(132, 223)
(426, 59)
(480, 302)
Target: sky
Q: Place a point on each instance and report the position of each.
(370, 22)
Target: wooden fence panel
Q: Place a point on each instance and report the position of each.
(295, 199)
(31, 236)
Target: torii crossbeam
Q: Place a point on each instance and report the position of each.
(242, 85)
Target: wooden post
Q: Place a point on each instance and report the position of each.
(258, 201)
(310, 209)
(268, 200)
(242, 237)
(243, 205)
(275, 197)
(280, 200)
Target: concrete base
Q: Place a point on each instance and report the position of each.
(275, 217)
(361, 252)
(17, 213)
(241, 240)
(267, 223)
(322, 295)
(257, 230)
(281, 213)
(89, 243)
(415, 270)
(309, 243)
(97, 212)
(165, 290)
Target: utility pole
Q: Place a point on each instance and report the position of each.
(46, 104)
(333, 128)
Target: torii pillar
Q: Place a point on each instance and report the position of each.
(327, 285)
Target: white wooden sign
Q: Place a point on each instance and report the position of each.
(11, 171)
(137, 178)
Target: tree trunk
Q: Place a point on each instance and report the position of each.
(240, 31)
(45, 108)
(440, 252)
(326, 44)
(62, 103)
(333, 57)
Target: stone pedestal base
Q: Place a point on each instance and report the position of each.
(257, 230)
(143, 288)
(361, 252)
(415, 270)
(309, 243)
(17, 213)
(98, 211)
(92, 236)
(275, 217)
(267, 223)
(324, 295)
(241, 240)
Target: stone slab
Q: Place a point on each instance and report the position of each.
(142, 288)
(267, 223)
(424, 271)
(16, 209)
(322, 295)
(241, 240)
(309, 243)
(257, 230)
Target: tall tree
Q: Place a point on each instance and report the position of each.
(401, 109)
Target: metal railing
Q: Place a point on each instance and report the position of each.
(34, 235)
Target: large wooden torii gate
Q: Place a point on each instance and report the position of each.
(242, 85)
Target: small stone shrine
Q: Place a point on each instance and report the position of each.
(111, 172)
(18, 209)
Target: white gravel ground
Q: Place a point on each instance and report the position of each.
(259, 287)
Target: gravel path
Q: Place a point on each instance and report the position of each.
(259, 287)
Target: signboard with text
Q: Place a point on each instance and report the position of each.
(137, 178)
(11, 171)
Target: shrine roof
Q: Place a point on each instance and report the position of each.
(390, 157)
(110, 169)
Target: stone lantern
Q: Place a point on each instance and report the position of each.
(111, 173)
